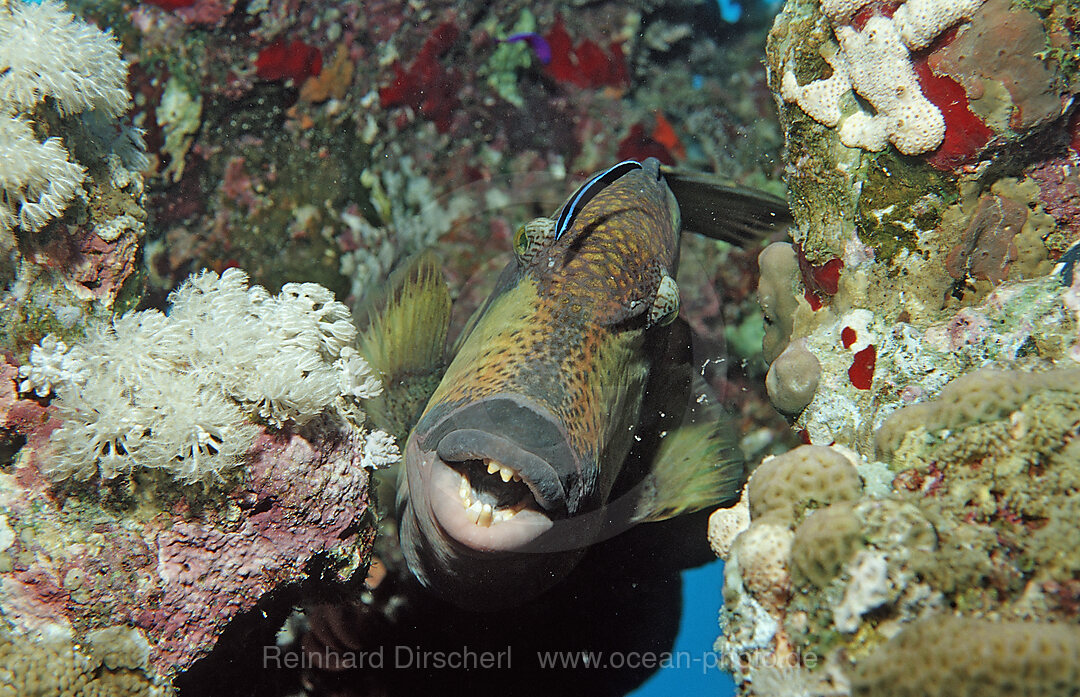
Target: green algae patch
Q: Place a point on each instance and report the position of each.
(902, 198)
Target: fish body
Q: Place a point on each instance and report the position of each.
(543, 435)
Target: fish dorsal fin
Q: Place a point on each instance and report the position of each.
(735, 214)
(404, 342)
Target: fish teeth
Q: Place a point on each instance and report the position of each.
(484, 514)
(504, 472)
(474, 511)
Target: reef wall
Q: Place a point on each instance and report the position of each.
(160, 474)
(922, 330)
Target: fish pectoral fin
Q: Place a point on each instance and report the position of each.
(697, 465)
(404, 341)
(735, 214)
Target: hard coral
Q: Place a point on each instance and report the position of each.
(426, 85)
(945, 655)
(777, 295)
(875, 61)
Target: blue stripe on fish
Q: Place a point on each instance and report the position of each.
(590, 189)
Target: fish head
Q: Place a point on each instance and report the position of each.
(508, 470)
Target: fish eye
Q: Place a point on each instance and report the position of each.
(665, 307)
(531, 237)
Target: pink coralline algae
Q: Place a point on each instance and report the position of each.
(182, 569)
(201, 12)
(91, 267)
(1059, 190)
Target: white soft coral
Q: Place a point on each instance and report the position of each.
(178, 392)
(37, 179)
(51, 365)
(46, 52)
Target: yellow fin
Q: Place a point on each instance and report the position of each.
(405, 342)
(697, 465)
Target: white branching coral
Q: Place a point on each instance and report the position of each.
(179, 391)
(45, 52)
(875, 62)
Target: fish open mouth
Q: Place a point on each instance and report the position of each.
(494, 476)
(478, 510)
(491, 492)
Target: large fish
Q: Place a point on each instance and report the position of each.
(564, 415)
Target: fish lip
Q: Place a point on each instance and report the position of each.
(433, 488)
(537, 474)
(516, 431)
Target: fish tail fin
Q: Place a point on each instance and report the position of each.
(404, 341)
(715, 209)
(697, 465)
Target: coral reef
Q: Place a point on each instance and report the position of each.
(305, 143)
(922, 299)
(72, 211)
(179, 510)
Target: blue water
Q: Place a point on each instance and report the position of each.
(693, 668)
